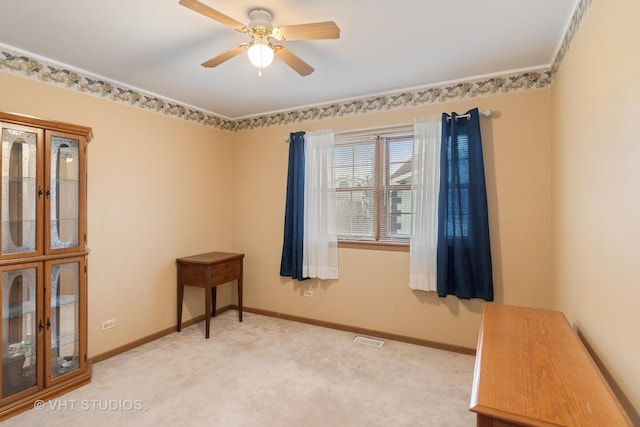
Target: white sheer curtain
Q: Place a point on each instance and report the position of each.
(320, 247)
(425, 185)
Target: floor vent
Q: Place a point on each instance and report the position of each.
(368, 341)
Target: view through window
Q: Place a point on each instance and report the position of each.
(373, 187)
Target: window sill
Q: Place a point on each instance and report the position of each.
(375, 246)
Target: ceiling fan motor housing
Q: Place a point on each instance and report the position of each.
(260, 21)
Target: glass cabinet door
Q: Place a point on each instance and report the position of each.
(20, 192)
(63, 319)
(63, 191)
(19, 329)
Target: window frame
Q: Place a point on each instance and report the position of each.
(381, 165)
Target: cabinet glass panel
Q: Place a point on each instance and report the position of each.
(18, 330)
(64, 192)
(18, 191)
(65, 322)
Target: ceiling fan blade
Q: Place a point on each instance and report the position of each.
(205, 10)
(294, 61)
(315, 31)
(214, 62)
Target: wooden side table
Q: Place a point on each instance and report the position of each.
(208, 271)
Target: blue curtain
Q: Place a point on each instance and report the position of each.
(464, 250)
(291, 263)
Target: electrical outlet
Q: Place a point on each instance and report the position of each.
(308, 293)
(108, 324)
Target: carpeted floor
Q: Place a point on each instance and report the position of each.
(267, 372)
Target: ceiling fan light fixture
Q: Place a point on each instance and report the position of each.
(260, 54)
(265, 37)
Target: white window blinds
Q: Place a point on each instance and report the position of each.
(373, 187)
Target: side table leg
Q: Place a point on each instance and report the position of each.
(214, 293)
(179, 298)
(240, 292)
(207, 301)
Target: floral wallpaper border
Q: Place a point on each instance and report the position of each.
(429, 95)
(574, 25)
(17, 63)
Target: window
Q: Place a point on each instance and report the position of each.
(458, 187)
(373, 187)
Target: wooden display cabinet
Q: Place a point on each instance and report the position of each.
(43, 268)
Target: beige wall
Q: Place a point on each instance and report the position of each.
(596, 197)
(372, 291)
(159, 188)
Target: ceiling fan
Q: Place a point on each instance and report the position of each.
(266, 38)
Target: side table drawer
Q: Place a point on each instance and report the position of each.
(193, 275)
(225, 272)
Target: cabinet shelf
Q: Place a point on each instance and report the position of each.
(24, 309)
(20, 221)
(29, 307)
(63, 340)
(18, 179)
(65, 300)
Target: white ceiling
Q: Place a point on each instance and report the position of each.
(157, 46)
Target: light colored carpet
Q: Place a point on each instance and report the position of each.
(267, 372)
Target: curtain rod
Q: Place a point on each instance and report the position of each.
(485, 113)
(399, 127)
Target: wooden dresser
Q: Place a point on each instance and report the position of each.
(532, 370)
